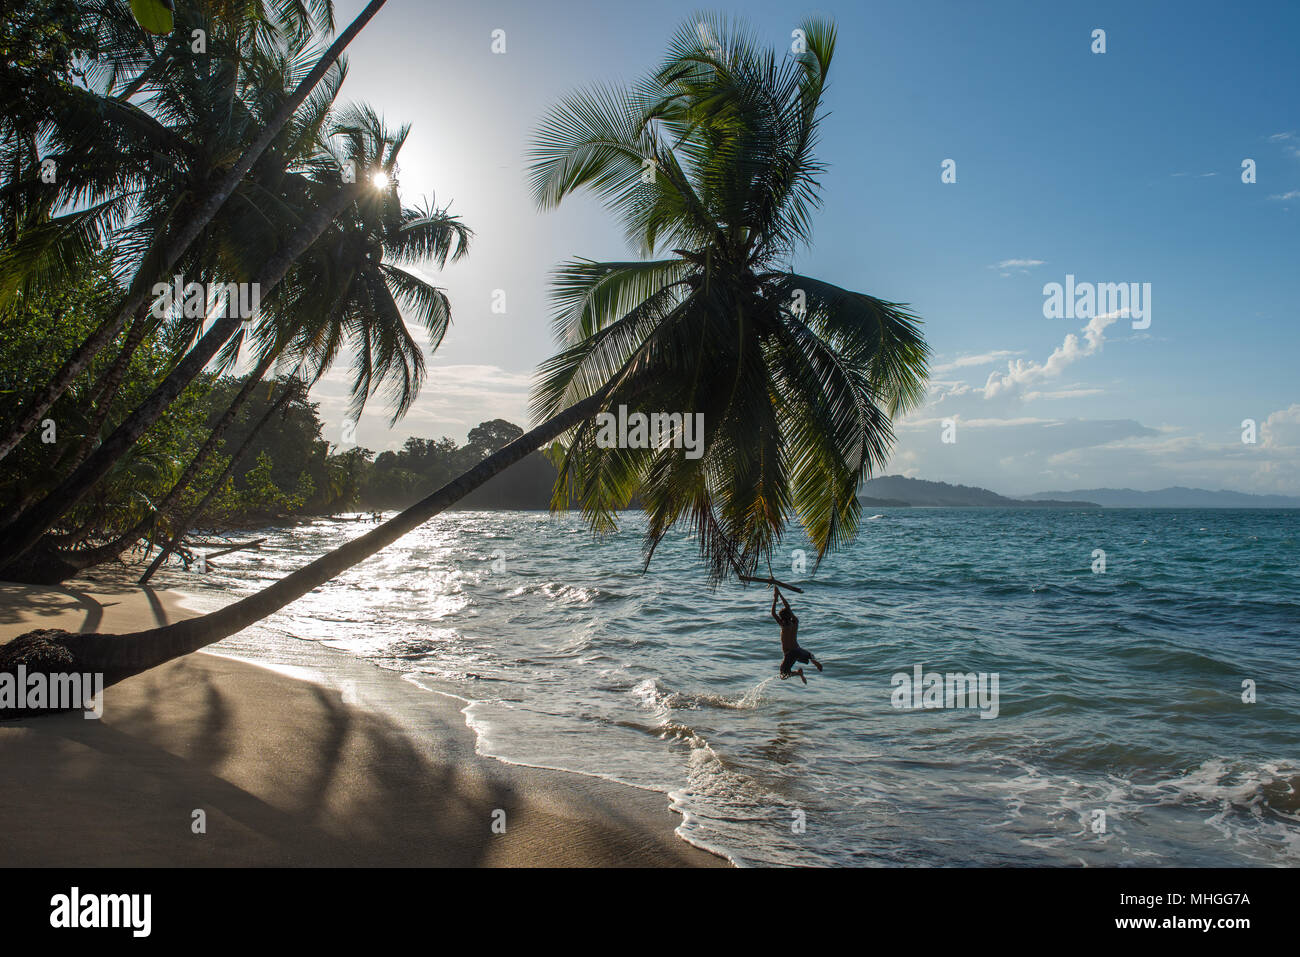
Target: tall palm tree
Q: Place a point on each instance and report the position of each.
(24, 532)
(129, 172)
(359, 276)
(797, 378)
(343, 292)
(388, 353)
(204, 114)
(712, 159)
(163, 256)
(193, 123)
(214, 117)
(344, 295)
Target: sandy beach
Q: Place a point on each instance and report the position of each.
(286, 771)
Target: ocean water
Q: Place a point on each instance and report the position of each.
(1121, 737)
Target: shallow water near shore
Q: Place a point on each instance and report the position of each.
(1121, 737)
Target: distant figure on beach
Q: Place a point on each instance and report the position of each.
(790, 639)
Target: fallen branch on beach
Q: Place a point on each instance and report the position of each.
(235, 547)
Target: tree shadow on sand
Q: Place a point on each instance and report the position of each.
(286, 775)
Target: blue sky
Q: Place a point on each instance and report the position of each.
(1115, 167)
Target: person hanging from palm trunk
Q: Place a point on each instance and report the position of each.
(790, 639)
(709, 162)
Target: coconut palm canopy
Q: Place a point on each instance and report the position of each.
(709, 164)
(362, 278)
(130, 181)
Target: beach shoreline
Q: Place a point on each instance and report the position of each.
(214, 760)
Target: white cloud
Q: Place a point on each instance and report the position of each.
(1021, 373)
(1022, 266)
(1169, 455)
(982, 359)
(1290, 142)
(1063, 394)
(1281, 430)
(919, 424)
(454, 399)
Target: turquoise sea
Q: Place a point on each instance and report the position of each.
(1121, 737)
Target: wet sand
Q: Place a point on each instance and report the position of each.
(286, 771)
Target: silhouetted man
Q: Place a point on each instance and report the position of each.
(790, 639)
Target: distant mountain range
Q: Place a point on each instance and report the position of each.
(1176, 497)
(897, 490)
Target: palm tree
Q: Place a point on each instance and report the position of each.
(195, 121)
(206, 113)
(149, 165)
(797, 378)
(712, 159)
(345, 294)
(129, 179)
(161, 258)
(359, 275)
(25, 531)
(203, 116)
(341, 293)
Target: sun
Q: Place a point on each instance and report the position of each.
(380, 180)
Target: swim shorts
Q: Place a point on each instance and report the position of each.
(795, 654)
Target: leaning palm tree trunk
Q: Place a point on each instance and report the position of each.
(197, 461)
(189, 521)
(218, 432)
(67, 563)
(106, 390)
(165, 255)
(120, 656)
(27, 529)
(103, 392)
(73, 562)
